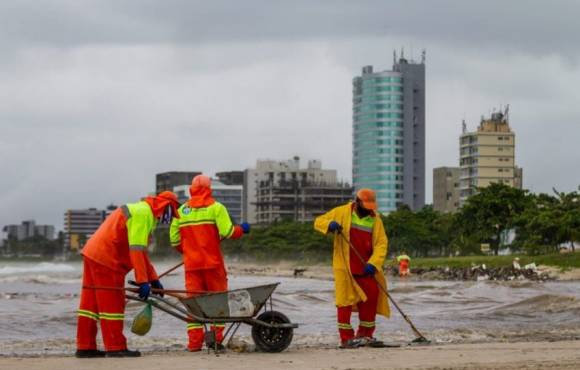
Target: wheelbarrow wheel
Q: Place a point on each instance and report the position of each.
(272, 339)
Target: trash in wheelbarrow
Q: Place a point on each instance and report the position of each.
(238, 303)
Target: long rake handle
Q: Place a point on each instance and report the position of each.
(171, 269)
(407, 319)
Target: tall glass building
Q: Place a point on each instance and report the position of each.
(389, 134)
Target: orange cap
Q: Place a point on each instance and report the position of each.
(368, 198)
(201, 181)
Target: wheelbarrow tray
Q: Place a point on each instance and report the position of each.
(237, 303)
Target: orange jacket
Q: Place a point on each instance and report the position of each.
(120, 243)
(201, 225)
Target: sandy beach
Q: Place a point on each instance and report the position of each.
(486, 356)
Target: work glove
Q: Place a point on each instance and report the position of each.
(370, 269)
(156, 284)
(144, 290)
(245, 227)
(334, 226)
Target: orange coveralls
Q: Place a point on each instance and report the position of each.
(202, 223)
(117, 247)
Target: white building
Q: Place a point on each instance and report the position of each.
(276, 190)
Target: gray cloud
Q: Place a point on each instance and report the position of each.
(98, 96)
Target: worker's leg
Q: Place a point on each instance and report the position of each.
(344, 328)
(111, 305)
(88, 313)
(216, 281)
(403, 268)
(194, 282)
(367, 311)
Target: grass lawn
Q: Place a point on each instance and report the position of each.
(563, 261)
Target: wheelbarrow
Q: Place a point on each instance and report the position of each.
(272, 331)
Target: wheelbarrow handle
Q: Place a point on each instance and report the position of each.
(169, 292)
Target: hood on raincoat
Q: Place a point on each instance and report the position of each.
(200, 192)
(159, 202)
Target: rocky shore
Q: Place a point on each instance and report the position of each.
(478, 273)
(473, 273)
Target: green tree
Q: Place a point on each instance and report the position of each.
(489, 213)
(550, 222)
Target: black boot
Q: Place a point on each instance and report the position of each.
(89, 353)
(123, 353)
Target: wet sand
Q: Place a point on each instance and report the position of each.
(487, 356)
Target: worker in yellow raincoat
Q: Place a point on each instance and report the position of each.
(356, 282)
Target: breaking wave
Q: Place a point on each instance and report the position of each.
(545, 303)
(45, 267)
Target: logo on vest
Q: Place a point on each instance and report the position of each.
(186, 210)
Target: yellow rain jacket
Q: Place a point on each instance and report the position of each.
(347, 291)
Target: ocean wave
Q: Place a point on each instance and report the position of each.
(46, 267)
(545, 303)
(39, 279)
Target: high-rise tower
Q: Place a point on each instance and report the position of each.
(389, 133)
(488, 155)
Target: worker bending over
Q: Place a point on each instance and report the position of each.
(117, 247)
(355, 284)
(202, 224)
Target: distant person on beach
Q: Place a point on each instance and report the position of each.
(355, 284)
(404, 262)
(117, 247)
(202, 224)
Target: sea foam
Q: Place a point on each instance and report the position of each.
(46, 267)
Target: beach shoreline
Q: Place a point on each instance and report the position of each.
(324, 272)
(563, 355)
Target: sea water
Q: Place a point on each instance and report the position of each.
(38, 303)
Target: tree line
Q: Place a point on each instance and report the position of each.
(498, 216)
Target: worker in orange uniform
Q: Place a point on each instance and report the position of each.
(355, 284)
(117, 247)
(203, 223)
(404, 262)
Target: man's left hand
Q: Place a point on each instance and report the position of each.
(370, 269)
(156, 284)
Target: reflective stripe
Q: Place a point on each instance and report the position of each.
(344, 326)
(88, 314)
(220, 325)
(137, 247)
(126, 212)
(111, 316)
(193, 326)
(367, 324)
(197, 222)
(175, 244)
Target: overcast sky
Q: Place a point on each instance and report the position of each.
(98, 96)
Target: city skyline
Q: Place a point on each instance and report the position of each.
(94, 105)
